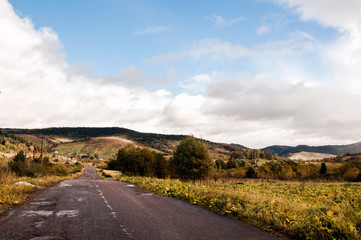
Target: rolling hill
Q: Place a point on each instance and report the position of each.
(106, 141)
(287, 151)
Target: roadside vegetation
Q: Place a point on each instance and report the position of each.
(23, 173)
(300, 210)
(302, 200)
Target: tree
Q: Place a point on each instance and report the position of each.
(161, 167)
(323, 169)
(18, 164)
(140, 162)
(268, 155)
(19, 157)
(232, 163)
(220, 164)
(251, 173)
(191, 159)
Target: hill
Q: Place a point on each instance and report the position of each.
(106, 141)
(304, 156)
(10, 144)
(287, 151)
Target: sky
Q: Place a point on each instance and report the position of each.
(256, 73)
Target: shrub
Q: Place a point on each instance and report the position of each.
(191, 160)
(351, 174)
(323, 169)
(140, 162)
(19, 157)
(220, 164)
(251, 173)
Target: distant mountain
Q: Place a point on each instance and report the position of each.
(238, 145)
(83, 137)
(286, 151)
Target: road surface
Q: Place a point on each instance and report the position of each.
(91, 208)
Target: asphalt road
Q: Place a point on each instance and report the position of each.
(91, 208)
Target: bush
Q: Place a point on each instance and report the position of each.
(22, 167)
(46, 162)
(251, 173)
(34, 170)
(351, 174)
(191, 160)
(19, 157)
(323, 169)
(140, 162)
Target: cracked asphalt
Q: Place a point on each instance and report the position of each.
(92, 208)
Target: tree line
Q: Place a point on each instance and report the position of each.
(191, 161)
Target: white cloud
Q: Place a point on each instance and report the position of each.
(272, 21)
(184, 115)
(299, 42)
(221, 22)
(262, 30)
(216, 50)
(339, 14)
(197, 83)
(150, 30)
(302, 113)
(165, 79)
(39, 89)
(343, 56)
(130, 77)
(284, 104)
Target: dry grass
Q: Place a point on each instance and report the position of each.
(297, 209)
(6, 176)
(12, 194)
(103, 146)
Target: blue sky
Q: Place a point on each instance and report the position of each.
(255, 73)
(103, 34)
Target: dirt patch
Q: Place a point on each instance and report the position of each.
(310, 156)
(63, 140)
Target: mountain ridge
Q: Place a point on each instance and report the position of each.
(164, 142)
(285, 151)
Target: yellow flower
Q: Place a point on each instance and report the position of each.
(329, 213)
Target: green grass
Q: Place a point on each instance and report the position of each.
(298, 210)
(84, 148)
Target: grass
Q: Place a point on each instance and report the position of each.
(89, 148)
(12, 194)
(295, 209)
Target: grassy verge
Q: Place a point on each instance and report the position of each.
(108, 174)
(298, 210)
(12, 194)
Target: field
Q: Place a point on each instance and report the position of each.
(304, 210)
(103, 146)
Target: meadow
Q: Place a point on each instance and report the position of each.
(299, 210)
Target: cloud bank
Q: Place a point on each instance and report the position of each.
(39, 89)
